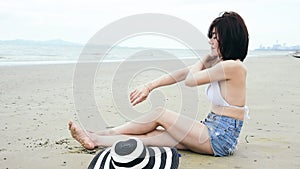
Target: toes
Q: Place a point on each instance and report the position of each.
(70, 125)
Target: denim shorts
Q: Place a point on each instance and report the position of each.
(223, 132)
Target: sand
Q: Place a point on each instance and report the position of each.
(37, 101)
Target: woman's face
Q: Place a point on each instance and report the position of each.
(214, 44)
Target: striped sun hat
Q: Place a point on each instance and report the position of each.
(132, 153)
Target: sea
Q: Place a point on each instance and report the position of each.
(16, 54)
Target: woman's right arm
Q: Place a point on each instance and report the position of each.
(141, 93)
(168, 79)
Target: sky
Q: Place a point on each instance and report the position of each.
(268, 22)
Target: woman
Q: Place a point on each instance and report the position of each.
(223, 70)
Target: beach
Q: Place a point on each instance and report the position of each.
(37, 101)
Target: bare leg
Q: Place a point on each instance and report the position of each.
(141, 125)
(179, 131)
(91, 140)
(161, 135)
(188, 132)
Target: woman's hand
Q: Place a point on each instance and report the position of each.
(140, 94)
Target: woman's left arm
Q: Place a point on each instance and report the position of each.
(221, 71)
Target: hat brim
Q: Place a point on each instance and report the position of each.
(159, 157)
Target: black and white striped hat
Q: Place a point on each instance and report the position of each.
(132, 153)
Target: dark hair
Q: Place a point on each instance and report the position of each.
(232, 36)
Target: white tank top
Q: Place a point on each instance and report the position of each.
(213, 93)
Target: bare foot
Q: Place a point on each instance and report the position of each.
(79, 135)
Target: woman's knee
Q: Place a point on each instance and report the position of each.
(161, 111)
(158, 113)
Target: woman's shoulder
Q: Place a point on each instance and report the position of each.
(233, 66)
(236, 64)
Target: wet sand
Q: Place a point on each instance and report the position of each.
(38, 101)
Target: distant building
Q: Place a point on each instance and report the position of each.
(278, 46)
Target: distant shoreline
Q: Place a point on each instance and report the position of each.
(288, 50)
(14, 55)
(70, 62)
